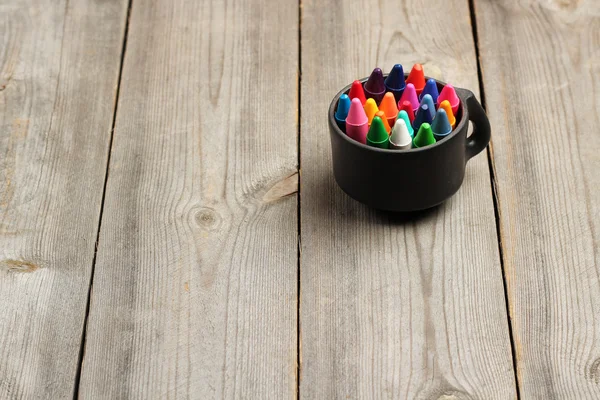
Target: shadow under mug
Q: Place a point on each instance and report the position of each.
(409, 180)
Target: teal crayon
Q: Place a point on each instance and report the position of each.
(441, 125)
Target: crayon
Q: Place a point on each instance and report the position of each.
(441, 126)
(395, 81)
(404, 115)
(448, 93)
(342, 111)
(410, 95)
(384, 118)
(388, 106)
(417, 78)
(378, 136)
(423, 116)
(356, 90)
(374, 86)
(446, 106)
(427, 99)
(371, 109)
(400, 139)
(357, 123)
(407, 107)
(431, 89)
(424, 136)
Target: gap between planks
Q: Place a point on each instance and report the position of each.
(110, 144)
(495, 199)
(299, 204)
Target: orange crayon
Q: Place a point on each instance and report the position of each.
(384, 118)
(388, 106)
(451, 118)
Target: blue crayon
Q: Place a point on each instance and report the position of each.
(427, 99)
(395, 81)
(423, 115)
(441, 126)
(430, 89)
(342, 112)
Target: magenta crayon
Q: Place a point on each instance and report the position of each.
(374, 86)
(395, 81)
(423, 116)
(430, 89)
(410, 95)
(356, 90)
(448, 93)
(357, 123)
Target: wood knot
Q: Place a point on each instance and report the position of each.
(17, 266)
(593, 372)
(283, 188)
(207, 218)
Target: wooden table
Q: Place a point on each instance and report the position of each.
(170, 227)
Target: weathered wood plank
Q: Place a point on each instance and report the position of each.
(541, 68)
(59, 66)
(391, 306)
(195, 290)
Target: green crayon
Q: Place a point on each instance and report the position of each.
(424, 137)
(378, 136)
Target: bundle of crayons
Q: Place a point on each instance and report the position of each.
(394, 113)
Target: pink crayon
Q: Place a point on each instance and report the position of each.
(357, 123)
(448, 93)
(410, 94)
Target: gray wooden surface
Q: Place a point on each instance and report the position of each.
(542, 86)
(409, 307)
(195, 287)
(208, 276)
(59, 65)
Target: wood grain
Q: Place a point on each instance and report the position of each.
(195, 288)
(542, 89)
(395, 306)
(59, 66)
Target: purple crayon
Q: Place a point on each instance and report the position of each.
(357, 123)
(375, 86)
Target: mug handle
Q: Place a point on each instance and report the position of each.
(481, 135)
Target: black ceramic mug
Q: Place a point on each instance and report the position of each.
(409, 180)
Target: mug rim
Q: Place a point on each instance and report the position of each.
(333, 124)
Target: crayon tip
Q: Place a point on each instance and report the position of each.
(423, 116)
(404, 116)
(374, 86)
(400, 138)
(395, 81)
(441, 126)
(424, 136)
(384, 118)
(431, 89)
(445, 105)
(410, 95)
(342, 111)
(371, 109)
(388, 106)
(408, 108)
(378, 136)
(427, 99)
(357, 123)
(417, 77)
(448, 93)
(356, 91)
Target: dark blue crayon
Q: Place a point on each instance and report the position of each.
(342, 111)
(395, 81)
(430, 89)
(427, 99)
(441, 126)
(423, 115)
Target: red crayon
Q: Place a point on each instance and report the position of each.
(417, 78)
(406, 106)
(357, 91)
